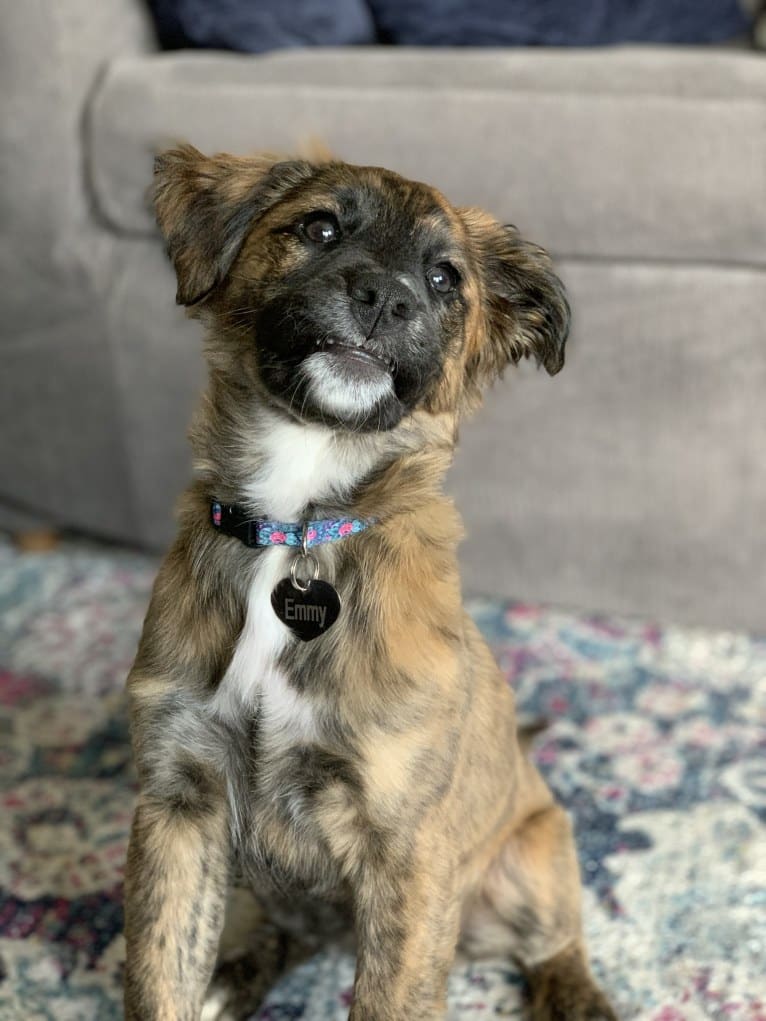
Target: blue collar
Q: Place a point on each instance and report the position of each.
(231, 520)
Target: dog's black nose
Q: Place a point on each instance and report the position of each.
(377, 297)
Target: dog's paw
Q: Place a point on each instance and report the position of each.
(217, 1005)
(582, 1004)
(235, 992)
(562, 989)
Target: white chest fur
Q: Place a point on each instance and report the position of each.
(253, 678)
(301, 464)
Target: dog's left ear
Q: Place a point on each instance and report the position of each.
(525, 309)
(206, 205)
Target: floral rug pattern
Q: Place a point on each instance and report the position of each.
(656, 745)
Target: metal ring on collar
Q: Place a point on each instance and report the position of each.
(300, 584)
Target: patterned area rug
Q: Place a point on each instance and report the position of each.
(656, 746)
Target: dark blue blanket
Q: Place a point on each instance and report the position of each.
(556, 22)
(255, 26)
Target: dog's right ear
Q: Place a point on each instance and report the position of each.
(205, 206)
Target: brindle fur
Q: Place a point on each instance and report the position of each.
(413, 816)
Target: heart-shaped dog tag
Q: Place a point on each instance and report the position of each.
(309, 611)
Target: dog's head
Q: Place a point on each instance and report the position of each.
(351, 295)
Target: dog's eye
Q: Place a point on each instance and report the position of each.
(443, 277)
(321, 228)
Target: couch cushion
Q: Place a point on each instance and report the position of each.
(625, 153)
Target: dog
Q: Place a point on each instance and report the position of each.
(314, 716)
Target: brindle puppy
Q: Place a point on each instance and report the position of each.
(354, 317)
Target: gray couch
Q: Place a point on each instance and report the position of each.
(632, 482)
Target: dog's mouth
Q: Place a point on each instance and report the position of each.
(349, 380)
(366, 356)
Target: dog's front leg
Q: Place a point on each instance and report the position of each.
(407, 924)
(175, 888)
